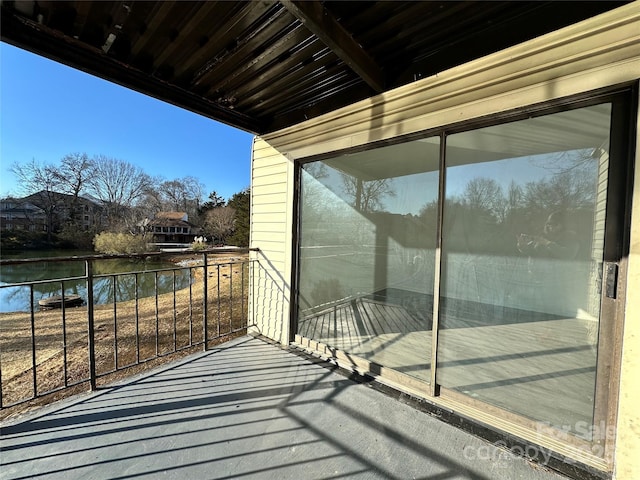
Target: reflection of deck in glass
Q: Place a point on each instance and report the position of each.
(543, 368)
(387, 334)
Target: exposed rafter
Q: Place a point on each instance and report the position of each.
(40, 39)
(266, 65)
(326, 27)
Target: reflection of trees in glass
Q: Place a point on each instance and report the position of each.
(321, 206)
(367, 195)
(578, 162)
(564, 190)
(313, 189)
(515, 195)
(486, 195)
(429, 217)
(486, 218)
(317, 170)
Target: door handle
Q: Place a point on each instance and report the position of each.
(611, 280)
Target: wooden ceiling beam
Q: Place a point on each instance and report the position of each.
(41, 40)
(322, 23)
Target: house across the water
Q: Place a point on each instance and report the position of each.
(172, 227)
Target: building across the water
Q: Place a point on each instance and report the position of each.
(171, 227)
(50, 211)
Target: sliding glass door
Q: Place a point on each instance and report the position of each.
(523, 237)
(481, 262)
(367, 243)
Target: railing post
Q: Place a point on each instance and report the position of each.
(91, 326)
(33, 344)
(205, 287)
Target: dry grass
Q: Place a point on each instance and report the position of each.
(160, 334)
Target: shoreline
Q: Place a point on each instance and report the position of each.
(153, 319)
(169, 263)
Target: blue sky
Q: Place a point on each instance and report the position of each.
(48, 110)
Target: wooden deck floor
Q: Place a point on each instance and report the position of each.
(544, 370)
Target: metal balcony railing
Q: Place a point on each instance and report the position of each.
(126, 318)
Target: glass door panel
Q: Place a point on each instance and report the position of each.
(367, 254)
(523, 236)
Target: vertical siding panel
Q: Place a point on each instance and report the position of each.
(271, 193)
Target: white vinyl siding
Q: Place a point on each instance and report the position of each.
(271, 193)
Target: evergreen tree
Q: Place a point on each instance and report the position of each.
(241, 203)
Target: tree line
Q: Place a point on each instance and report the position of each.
(485, 217)
(127, 196)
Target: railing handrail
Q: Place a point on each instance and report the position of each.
(194, 312)
(75, 258)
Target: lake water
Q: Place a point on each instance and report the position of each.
(17, 298)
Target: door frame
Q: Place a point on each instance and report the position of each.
(563, 449)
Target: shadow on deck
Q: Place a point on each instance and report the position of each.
(246, 409)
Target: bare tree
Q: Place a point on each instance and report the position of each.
(73, 173)
(119, 184)
(34, 177)
(174, 194)
(367, 194)
(565, 191)
(515, 196)
(73, 176)
(182, 195)
(152, 200)
(486, 194)
(220, 222)
(40, 182)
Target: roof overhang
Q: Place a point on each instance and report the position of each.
(263, 65)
